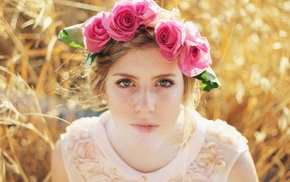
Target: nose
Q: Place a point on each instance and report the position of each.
(145, 101)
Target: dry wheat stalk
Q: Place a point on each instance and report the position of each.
(249, 42)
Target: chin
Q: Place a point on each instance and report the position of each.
(146, 142)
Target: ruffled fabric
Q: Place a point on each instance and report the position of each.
(85, 157)
(226, 133)
(207, 165)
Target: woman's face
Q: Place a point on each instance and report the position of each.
(144, 94)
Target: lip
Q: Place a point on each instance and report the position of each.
(145, 127)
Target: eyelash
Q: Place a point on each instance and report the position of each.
(168, 83)
(121, 82)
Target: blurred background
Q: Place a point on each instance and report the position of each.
(250, 42)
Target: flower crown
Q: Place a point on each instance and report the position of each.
(175, 39)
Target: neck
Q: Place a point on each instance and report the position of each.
(139, 157)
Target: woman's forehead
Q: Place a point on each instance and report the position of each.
(144, 59)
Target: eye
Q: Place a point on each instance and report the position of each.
(165, 83)
(124, 83)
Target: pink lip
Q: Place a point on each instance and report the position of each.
(145, 127)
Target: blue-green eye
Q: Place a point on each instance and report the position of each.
(165, 83)
(124, 83)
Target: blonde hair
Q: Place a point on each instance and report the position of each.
(91, 92)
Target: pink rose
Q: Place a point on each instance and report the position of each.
(147, 11)
(195, 56)
(95, 35)
(170, 36)
(123, 22)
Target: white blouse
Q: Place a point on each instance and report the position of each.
(209, 156)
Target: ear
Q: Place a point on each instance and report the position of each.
(104, 102)
(104, 98)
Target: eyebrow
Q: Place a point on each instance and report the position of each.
(125, 75)
(155, 77)
(164, 75)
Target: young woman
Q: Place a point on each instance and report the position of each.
(144, 66)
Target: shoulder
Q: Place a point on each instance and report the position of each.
(79, 135)
(221, 146)
(226, 135)
(79, 150)
(221, 133)
(235, 150)
(82, 123)
(243, 169)
(85, 123)
(75, 132)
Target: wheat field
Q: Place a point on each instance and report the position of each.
(250, 42)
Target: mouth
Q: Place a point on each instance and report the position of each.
(145, 127)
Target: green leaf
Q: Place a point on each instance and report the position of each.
(208, 80)
(72, 35)
(90, 58)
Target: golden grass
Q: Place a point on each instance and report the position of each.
(249, 43)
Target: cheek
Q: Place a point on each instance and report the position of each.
(118, 102)
(172, 100)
